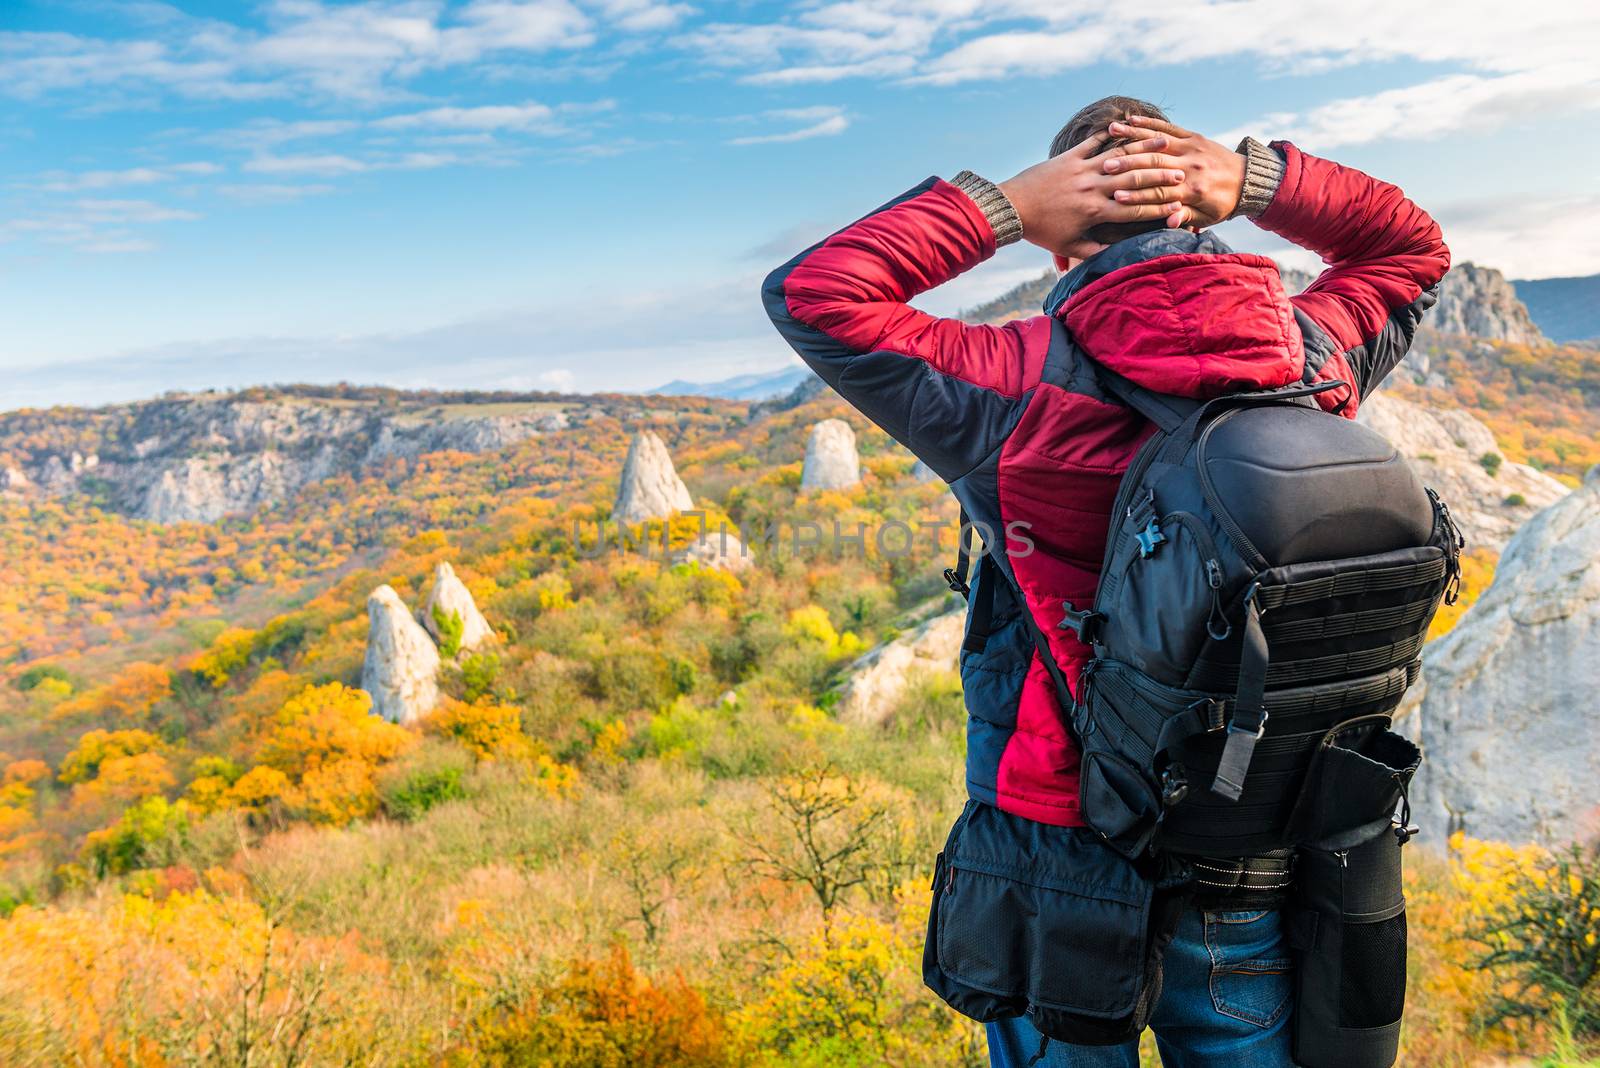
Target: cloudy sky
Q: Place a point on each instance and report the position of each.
(585, 193)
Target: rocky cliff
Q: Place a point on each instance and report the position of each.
(1479, 301)
(204, 456)
(1506, 707)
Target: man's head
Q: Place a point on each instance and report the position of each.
(1090, 121)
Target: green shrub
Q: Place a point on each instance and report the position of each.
(31, 678)
(1491, 462)
(427, 777)
(1515, 500)
(478, 674)
(450, 627)
(1543, 941)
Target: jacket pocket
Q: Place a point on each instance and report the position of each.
(1029, 918)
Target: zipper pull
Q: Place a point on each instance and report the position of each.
(1214, 580)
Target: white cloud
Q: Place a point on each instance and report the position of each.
(1517, 59)
(1435, 108)
(62, 182)
(270, 193)
(645, 16)
(363, 51)
(94, 225)
(1526, 235)
(131, 211)
(329, 163)
(262, 134)
(529, 116)
(824, 121)
(558, 378)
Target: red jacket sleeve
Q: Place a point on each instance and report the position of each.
(1385, 259)
(946, 389)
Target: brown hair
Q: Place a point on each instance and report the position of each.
(1092, 119)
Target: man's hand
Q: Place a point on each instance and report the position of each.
(1061, 198)
(1213, 173)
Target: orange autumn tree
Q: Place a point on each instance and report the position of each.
(329, 745)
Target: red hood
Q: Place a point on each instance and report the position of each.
(1191, 324)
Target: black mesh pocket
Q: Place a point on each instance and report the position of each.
(1372, 979)
(1348, 930)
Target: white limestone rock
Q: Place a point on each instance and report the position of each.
(878, 679)
(718, 548)
(402, 666)
(451, 596)
(650, 488)
(1447, 448)
(1506, 711)
(831, 459)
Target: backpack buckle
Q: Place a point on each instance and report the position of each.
(1174, 786)
(955, 582)
(1149, 538)
(1085, 624)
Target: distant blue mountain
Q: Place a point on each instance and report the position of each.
(1566, 309)
(753, 387)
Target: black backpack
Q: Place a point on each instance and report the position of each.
(1268, 582)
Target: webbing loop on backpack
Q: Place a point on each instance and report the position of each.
(956, 577)
(1249, 720)
(1296, 391)
(981, 619)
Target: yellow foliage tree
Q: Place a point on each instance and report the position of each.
(327, 741)
(490, 731)
(97, 746)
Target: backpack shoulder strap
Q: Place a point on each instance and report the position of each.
(1165, 411)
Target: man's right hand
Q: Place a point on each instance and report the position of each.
(1213, 173)
(1061, 198)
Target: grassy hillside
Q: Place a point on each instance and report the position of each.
(634, 833)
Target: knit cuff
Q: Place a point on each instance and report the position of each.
(1263, 171)
(1003, 218)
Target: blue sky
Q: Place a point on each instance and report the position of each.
(585, 193)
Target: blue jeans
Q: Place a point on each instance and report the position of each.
(1225, 1001)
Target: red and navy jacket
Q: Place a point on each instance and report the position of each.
(1014, 419)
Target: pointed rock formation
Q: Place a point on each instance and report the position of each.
(1448, 449)
(651, 488)
(879, 678)
(451, 596)
(831, 459)
(402, 665)
(1506, 709)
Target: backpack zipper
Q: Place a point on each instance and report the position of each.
(1213, 564)
(1236, 534)
(1120, 508)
